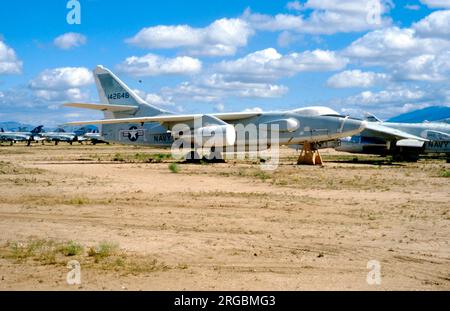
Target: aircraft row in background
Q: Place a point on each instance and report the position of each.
(38, 134)
(128, 119)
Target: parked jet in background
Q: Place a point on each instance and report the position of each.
(95, 138)
(13, 137)
(372, 142)
(80, 135)
(130, 120)
(60, 135)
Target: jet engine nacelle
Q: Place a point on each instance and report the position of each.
(207, 136)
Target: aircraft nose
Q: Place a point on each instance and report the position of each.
(353, 126)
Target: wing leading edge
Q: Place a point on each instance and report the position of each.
(402, 138)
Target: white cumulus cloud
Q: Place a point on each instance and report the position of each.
(444, 4)
(400, 95)
(70, 40)
(222, 37)
(419, 53)
(62, 78)
(427, 67)
(326, 17)
(214, 88)
(437, 24)
(154, 65)
(393, 100)
(154, 99)
(393, 44)
(356, 78)
(60, 84)
(268, 64)
(73, 94)
(9, 62)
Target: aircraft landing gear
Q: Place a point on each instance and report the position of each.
(215, 156)
(309, 155)
(193, 156)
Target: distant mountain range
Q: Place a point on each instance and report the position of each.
(434, 113)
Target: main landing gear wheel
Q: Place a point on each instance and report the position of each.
(214, 156)
(193, 157)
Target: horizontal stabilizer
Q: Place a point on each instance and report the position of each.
(102, 107)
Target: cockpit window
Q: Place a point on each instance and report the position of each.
(341, 116)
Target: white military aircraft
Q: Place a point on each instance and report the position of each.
(60, 135)
(29, 137)
(131, 120)
(436, 135)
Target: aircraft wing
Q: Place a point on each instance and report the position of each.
(101, 107)
(378, 130)
(170, 118)
(436, 135)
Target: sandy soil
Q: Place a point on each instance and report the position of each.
(224, 226)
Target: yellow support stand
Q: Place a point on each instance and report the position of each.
(309, 155)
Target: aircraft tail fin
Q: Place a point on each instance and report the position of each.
(37, 130)
(371, 117)
(113, 91)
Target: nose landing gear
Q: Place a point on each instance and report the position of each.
(310, 155)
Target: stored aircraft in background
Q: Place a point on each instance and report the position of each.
(29, 137)
(131, 120)
(80, 135)
(95, 137)
(60, 135)
(436, 135)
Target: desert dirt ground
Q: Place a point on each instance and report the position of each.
(134, 223)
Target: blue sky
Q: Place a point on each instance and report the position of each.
(382, 56)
